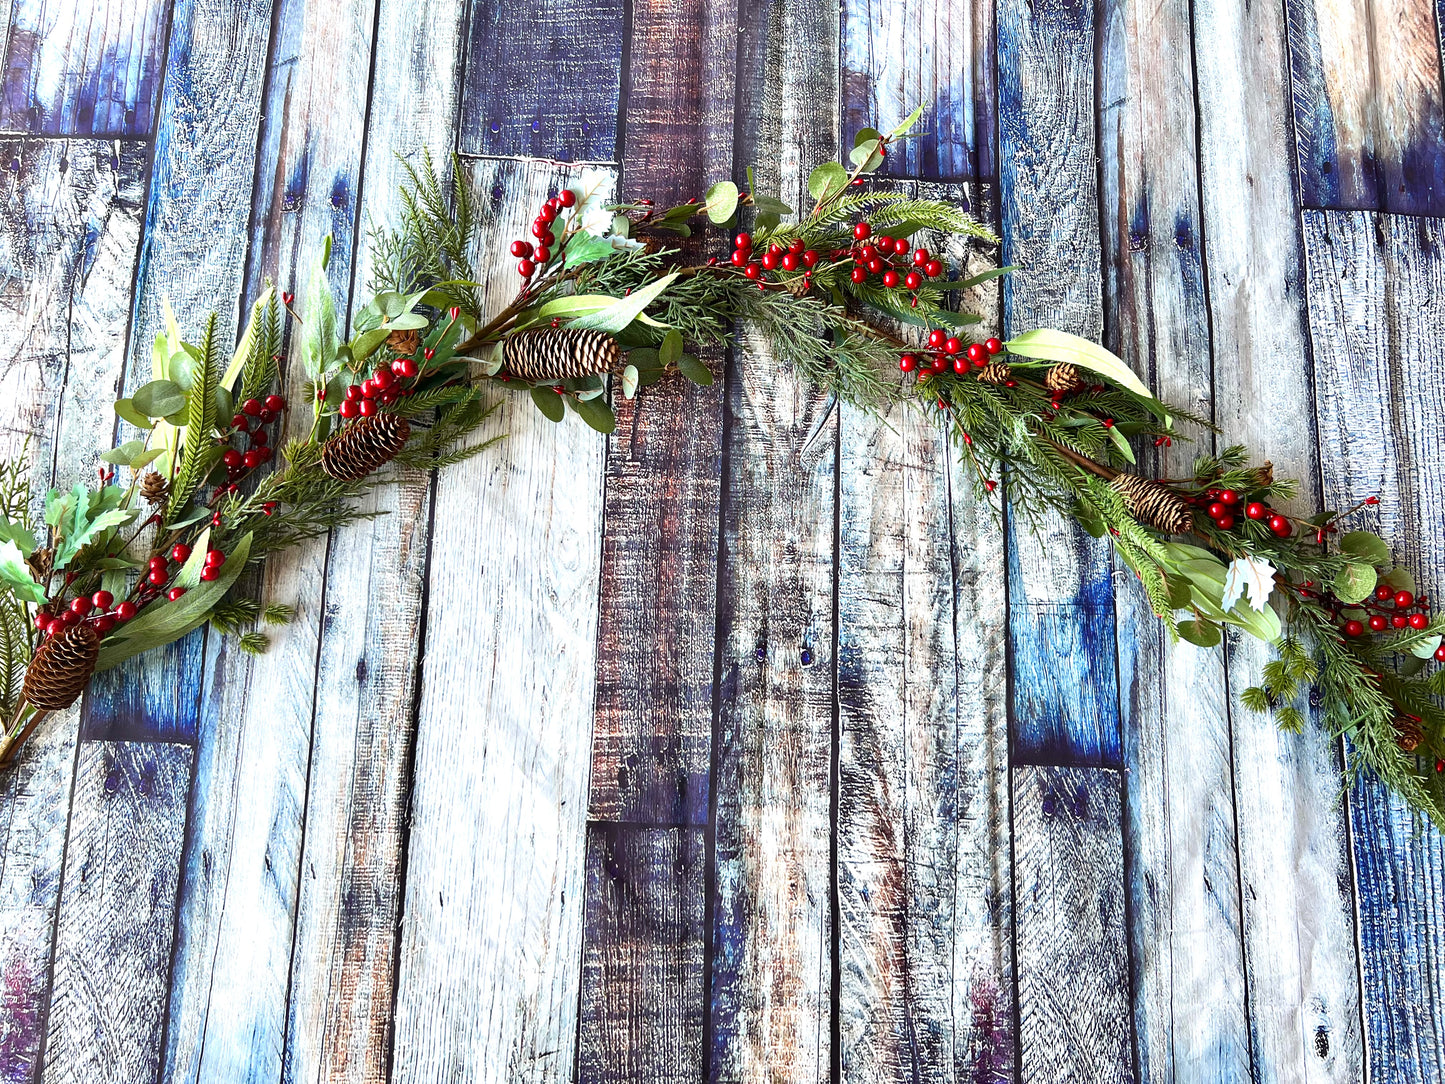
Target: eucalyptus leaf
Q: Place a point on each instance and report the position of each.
(1201, 633)
(596, 413)
(1367, 547)
(866, 135)
(671, 348)
(770, 205)
(123, 454)
(826, 180)
(1425, 649)
(126, 410)
(549, 403)
(1090, 519)
(630, 378)
(721, 202)
(585, 248)
(689, 366)
(1355, 582)
(159, 399)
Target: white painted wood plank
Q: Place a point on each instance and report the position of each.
(1300, 960)
(68, 244)
(492, 934)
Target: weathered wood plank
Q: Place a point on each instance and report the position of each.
(543, 79)
(68, 243)
(900, 54)
(1369, 110)
(1300, 960)
(113, 944)
(924, 881)
(1061, 612)
(1375, 287)
(1069, 903)
(494, 877)
(1182, 877)
(641, 1007)
(81, 69)
(772, 983)
(343, 960)
(229, 991)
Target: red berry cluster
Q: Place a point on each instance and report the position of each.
(797, 255)
(892, 258)
(1392, 609)
(530, 257)
(250, 424)
(949, 351)
(1223, 506)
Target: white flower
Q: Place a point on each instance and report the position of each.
(1254, 575)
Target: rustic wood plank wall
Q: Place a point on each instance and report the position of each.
(772, 757)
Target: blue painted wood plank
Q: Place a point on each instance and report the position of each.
(1376, 284)
(900, 54)
(1061, 599)
(544, 79)
(81, 67)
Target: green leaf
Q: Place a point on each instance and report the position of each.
(624, 310)
(1049, 345)
(1355, 582)
(1120, 443)
(125, 409)
(907, 125)
(190, 574)
(630, 377)
(827, 180)
(368, 342)
(1200, 632)
(549, 403)
(159, 399)
(984, 276)
(866, 135)
(199, 446)
(1425, 649)
(1367, 547)
(721, 202)
(584, 248)
(596, 413)
(123, 454)
(254, 331)
(866, 155)
(770, 205)
(162, 623)
(16, 574)
(319, 339)
(1090, 519)
(689, 366)
(671, 348)
(1400, 579)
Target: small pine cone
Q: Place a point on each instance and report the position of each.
(552, 354)
(154, 488)
(404, 342)
(1264, 477)
(61, 668)
(365, 445)
(798, 285)
(1408, 733)
(1153, 504)
(1063, 378)
(995, 372)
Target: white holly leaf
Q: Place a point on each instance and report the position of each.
(1248, 575)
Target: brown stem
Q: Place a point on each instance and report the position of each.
(1106, 473)
(15, 738)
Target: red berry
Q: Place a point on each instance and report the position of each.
(866, 253)
(862, 230)
(368, 388)
(232, 458)
(790, 261)
(796, 246)
(158, 561)
(103, 624)
(101, 600)
(239, 422)
(158, 576)
(952, 345)
(876, 264)
(1255, 510)
(858, 274)
(1419, 621)
(1216, 510)
(1225, 522)
(754, 271)
(810, 258)
(406, 367)
(382, 379)
(1404, 599)
(890, 278)
(546, 213)
(1399, 621)
(1439, 657)
(367, 408)
(1229, 496)
(252, 459)
(1280, 526)
(521, 248)
(543, 254)
(81, 606)
(215, 557)
(175, 593)
(1378, 623)
(920, 257)
(913, 280)
(770, 261)
(353, 391)
(180, 553)
(990, 486)
(960, 365)
(54, 627)
(900, 246)
(525, 268)
(566, 197)
(740, 256)
(936, 338)
(908, 363)
(210, 572)
(993, 346)
(252, 407)
(1354, 628)
(259, 439)
(126, 610)
(977, 354)
(547, 238)
(275, 403)
(350, 408)
(267, 416)
(1384, 591)
(743, 241)
(933, 268)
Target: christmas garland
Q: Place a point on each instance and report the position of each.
(847, 292)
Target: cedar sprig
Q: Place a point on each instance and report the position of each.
(200, 452)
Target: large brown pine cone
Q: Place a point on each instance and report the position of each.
(1063, 378)
(353, 452)
(549, 354)
(1153, 504)
(61, 668)
(404, 342)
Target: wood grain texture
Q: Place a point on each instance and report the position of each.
(923, 876)
(68, 243)
(1300, 960)
(113, 941)
(349, 910)
(1182, 877)
(229, 1016)
(1375, 308)
(772, 919)
(1061, 600)
(1071, 944)
(1368, 105)
(642, 1007)
(81, 69)
(543, 79)
(900, 54)
(494, 877)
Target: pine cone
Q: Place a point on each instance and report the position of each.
(1063, 378)
(995, 372)
(1264, 476)
(1408, 733)
(404, 342)
(154, 488)
(363, 446)
(551, 354)
(1153, 504)
(61, 668)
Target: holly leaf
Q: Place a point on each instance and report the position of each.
(16, 574)
(1251, 578)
